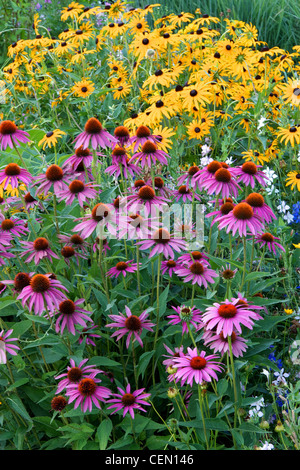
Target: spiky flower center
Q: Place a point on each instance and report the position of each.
(100, 211)
(7, 224)
(198, 363)
(7, 128)
(28, 198)
(159, 182)
(222, 175)
(40, 244)
(121, 131)
(228, 274)
(128, 399)
(76, 239)
(193, 170)
(39, 283)
(76, 186)
(12, 169)
(233, 337)
(267, 237)
(54, 173)
(146, 193)
(81, 152)
(161, 236)
(250, 168)
(119, 152)
(74, 374)
(183, 189)
(67, 307)
(21, 280)
(143, 132)
(243, 211)
(149, 147)
(226, 208)
(121, 266)
(133, 323)
(186, 313)
(87, 387)
(196, 255)
(139, 183)
(93, 126)
(67, 251)
(197, 268)
(58, 403)
(171, 263)
(255, 200)
(213, 166)
(227, 311)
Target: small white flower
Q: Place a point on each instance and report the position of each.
(205, 150)
(229, 161)
(288, 217)
(283, 207)
(261, 122)
(205, 161)
(267, 446)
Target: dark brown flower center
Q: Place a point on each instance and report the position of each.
(255, 200)
(213, 166)
(250, 168)
(67, 251)
(21, 280)
(197, 268)
(39, 283)
(193, 170)
(198, 363)
(28, 198)
(227, 311)
(58, 403)
(139, 183)
(100, 211)
(183, 189)
(149, 147)
(87, 387)
(81, 152)
(243, 211)
(133, 323)
(76, 239)
(12, 169)
(222, 175)
(93, 126)
(41, 244)
(121, 131)
(128, 399)
(226, 208)
(228, 274)
(119, 152)
(74, 374)
(54, 173)
(267, 237)
(121, 266)
(67, 307)
(159, 182)
(161, 236)
(143, 131)
(7, 128)
(233, 337)
(76, 186)
(146, 193)
(7, 224)
(171, 263)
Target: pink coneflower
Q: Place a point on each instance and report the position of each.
(221, 183)
(6, 346)
(186, 315)
(169, 266)
(162, 242)
(128, 402)
(150, 155)
(105, 246)
(241, 219)
(146, 200)
(119, 155)
(14, 226)
(188, 177)
(122, 267)
(11, 136)
(190, 258)
(69, 315)
(82, 156)
(229, 315)
(219, 344)
(75, 241)
(81, 173)
(86, 334)
(122, 134)
(54, 178)
(248, 174)
(31, 202)
(269, 240)
(37, 250)
(198, 273)
(159, 186)
(260, 208)
(142, 135)
(227, 273)
(185, 194)
(13, 175)
(196, 367)
(95, 135)
(74, 374)
(43, 294)
(86, 393)
(5, 240)
(77, 189)
(102, 216)
(131, 325)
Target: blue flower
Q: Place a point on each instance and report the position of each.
(296, 212)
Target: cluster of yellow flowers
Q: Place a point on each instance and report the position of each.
(189, 75)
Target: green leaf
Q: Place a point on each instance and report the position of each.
(104, 361)
(18, 383)
(103, 433)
